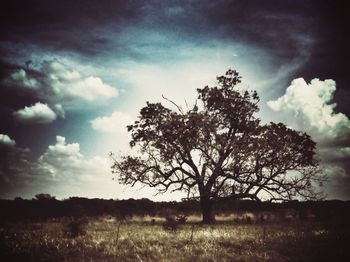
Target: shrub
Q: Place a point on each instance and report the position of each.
(173, 223)
(181, 219)
(77, 227)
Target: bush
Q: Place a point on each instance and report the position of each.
(173, 223)
(77, 227)
(181, 219)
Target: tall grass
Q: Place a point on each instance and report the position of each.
(141, 240)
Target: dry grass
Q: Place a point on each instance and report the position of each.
(141, 239)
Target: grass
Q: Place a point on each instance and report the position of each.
(141, 239)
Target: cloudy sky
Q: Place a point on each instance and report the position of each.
(73, 74)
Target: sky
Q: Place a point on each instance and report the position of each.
(73, 74)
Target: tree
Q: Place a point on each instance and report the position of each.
(218, 148)
(44, 197)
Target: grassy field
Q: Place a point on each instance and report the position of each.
(145, 239)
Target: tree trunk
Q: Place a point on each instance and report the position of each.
(207, 210)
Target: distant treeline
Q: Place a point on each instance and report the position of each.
(44, 207)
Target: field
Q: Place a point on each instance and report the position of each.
(146, 239)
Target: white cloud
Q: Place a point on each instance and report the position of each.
(21, 78)
(310, 108)
(63, 171)
(38, 113)
(115, 123)
(61, 149)
(69, 173)
(91, 89)
(6, 140)
(67, 84)
(58, 108)
(55, 82)
(64, 160)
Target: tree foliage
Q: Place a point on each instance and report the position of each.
(219, 148)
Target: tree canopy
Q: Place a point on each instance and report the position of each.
(219, 148)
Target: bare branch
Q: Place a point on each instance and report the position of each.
(177, 106)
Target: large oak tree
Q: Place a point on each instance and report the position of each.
(219, 148)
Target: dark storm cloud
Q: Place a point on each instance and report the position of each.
(315, 32)
(310, 31)
(85, 26)
(278, 26)
(9, 98)
(309, 34)
(63, 25)
(12, 100)
(13, 165)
